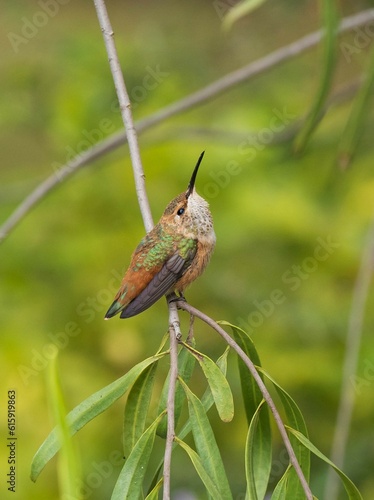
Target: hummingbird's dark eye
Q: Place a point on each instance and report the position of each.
(180, 211)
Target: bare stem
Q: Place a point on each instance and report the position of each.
(197, 98)
(125, 107)
(174, 332)
(352, 350)
(269, 400)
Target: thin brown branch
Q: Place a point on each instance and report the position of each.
(352, 351)
(174, 333)
(342, 94)
(126, 113)
(197, 98)
(267, 397)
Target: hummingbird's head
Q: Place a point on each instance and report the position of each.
(189, 212)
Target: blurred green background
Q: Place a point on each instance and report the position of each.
(61, 266)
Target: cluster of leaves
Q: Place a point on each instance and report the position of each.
(139, 440)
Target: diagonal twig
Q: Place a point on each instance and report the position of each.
(197, 98)
(267, 397)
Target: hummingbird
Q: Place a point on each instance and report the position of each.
(171, 256)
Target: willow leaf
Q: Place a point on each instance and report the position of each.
(258, 454)
(351, 489)
(252, 396)
(68, 464)
(360, 110)
(154, 493)
(295, 420)
(201, 470)
(206, 444)
(86, 411)
(129, 485)
(136, 408)
(280, 491)
(218, 385)
(330, 21)
(240, 10)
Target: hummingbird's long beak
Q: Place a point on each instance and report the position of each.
(193, 177)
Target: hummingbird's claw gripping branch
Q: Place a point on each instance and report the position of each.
(173, 297)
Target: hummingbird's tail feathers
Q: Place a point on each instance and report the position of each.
(119, 303)
(160, 284)
(114, 309)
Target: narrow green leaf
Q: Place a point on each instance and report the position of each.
(330, 21)
(280, 491)
(355, 123)
(258, 450)
(251, 393)
(248, 344)
(222, 361)
(186, 365)
(206, 444)
(68, 466)
(258, 454)
(129, 485)
(200, 469)
(293, 412)
(218, 385)
(351, 489)
(239, 10)
(153, 494)
(295, 420)
(164, 339)
(136, 408)
(207, 398)
(87, 410)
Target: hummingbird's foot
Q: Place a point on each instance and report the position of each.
(182, 297)
(173, 297)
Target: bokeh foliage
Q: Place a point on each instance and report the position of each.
(61, 266)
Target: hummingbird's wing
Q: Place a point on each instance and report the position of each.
(157, 263)
(163, 281)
